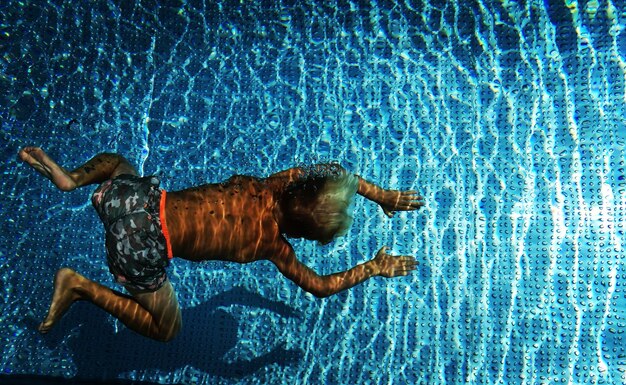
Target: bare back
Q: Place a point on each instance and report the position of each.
(231, 221)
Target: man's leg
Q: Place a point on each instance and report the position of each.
(97, 170)
(152, 314)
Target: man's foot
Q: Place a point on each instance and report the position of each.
(65, 294)
(40, 161)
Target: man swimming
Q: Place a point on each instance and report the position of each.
(243, 219)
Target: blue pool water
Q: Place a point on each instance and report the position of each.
(508, 117)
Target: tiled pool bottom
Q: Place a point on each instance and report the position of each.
(507, 117)
(29, 379)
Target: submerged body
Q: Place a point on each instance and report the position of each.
(237, 216)
(243, 219)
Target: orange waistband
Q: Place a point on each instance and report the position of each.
(166, 233)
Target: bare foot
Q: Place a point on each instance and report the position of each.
(395, 200)
(65, 294)
(40, 161)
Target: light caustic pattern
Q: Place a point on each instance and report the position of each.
(508, 117)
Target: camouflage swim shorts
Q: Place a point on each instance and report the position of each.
(137, 253)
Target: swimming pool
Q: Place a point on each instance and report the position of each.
(508, 117)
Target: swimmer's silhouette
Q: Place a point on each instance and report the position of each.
(243, 219)
(202, 347)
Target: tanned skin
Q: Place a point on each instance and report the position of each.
(237, 220)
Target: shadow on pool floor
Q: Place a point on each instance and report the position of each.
(208, 333)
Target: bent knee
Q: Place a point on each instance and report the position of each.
(170, 331)
(167, 337)
(170, 334)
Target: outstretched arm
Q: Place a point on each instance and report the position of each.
(390, 200)
(383, 264)
(97, 170)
